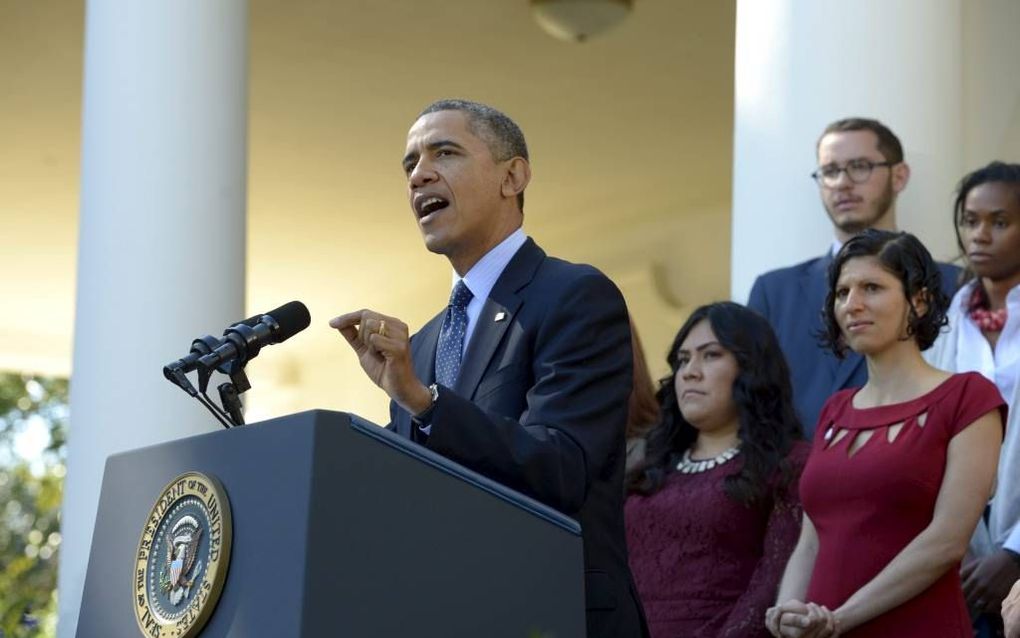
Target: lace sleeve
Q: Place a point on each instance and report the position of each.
(747, 619)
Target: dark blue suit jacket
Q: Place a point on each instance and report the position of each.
(540, 405)
(792, 299)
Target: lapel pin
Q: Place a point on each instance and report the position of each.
(500, 316)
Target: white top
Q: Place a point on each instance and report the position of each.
(964, 349)
(973, 352)
(483, 275)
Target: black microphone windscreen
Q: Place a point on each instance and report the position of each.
(292, 318)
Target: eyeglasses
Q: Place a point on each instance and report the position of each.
(857, 170)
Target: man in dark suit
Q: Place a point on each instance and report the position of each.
(860, 173)
(525, 376)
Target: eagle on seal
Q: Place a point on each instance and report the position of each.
(181, 552)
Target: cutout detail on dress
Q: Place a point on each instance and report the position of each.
(859, 438)
(859, 441)
(893, 431)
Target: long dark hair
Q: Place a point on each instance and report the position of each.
(764, 401)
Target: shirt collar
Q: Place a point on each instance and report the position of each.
(836, 247)
(483, 275)
(961, 299)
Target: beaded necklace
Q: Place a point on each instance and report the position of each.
(687, 465)
(979, 312)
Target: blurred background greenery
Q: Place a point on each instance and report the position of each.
(33, 444)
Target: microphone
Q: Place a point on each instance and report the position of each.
(199, 348)
(176, 371)
(242, 341)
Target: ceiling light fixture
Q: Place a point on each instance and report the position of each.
(577, 20)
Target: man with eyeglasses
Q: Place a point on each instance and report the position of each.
(860, 173)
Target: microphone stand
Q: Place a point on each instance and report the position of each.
(220, 415)
(230, 391)
(228, 355)
(230, 415)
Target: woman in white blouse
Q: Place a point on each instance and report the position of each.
(984, 336)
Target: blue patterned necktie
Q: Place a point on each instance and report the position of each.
(451, 336)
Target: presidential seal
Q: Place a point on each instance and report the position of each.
(182, 557)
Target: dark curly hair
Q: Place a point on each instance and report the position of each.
(764, 400)
(905, 257)
(994, 172)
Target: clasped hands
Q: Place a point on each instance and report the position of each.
(383, 346)
(987, 580)
(1011, 612)
(795, 619)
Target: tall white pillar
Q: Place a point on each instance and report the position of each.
(802, 64)
(161, 251)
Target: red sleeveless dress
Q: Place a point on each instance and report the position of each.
(868, 506)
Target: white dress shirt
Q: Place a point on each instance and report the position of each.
(973, 352)
(964, 349)
(480, 280)
(483, 275)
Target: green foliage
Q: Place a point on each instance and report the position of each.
(32, 410)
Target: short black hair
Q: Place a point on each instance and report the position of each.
(904, 256)
(994, 172)
(502, 135)
(888, 144)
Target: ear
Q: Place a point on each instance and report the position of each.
(920, 302)
(518, 174)
(900, 176)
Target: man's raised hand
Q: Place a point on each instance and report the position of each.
(383, 347)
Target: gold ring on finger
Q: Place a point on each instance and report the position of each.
(382, 327)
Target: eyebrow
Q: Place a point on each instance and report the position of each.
(852, 159)
(994, 211)
(859, 281)
(431, 146)
(700, 348)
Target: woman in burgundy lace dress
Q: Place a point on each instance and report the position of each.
(900, 469)
(713, 513)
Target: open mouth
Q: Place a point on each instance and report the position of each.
(426, 205)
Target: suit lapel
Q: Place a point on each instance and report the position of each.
(487, 335)
(489, 332)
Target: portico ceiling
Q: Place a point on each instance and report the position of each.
(630, 136)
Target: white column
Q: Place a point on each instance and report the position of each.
(161, 252)
(991, 108)
(802, 64)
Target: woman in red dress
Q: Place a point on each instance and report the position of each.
(900, 469)
(713, 513)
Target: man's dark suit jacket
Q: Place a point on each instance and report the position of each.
(792, 299)
(540, 405)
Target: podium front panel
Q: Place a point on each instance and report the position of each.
(341, 528)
